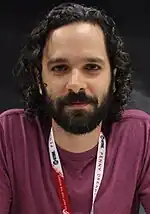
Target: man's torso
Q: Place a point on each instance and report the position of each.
(32, 183)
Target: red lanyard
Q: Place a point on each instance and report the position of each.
(59, 175)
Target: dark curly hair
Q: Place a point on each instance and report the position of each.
(29, 67)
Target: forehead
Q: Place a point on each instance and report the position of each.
(76, 39)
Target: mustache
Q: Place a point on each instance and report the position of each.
(81, 96)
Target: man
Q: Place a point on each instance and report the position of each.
(74, 148)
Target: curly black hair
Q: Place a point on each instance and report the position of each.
(29, 67)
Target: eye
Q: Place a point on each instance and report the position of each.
(92, 67)
(60, 68)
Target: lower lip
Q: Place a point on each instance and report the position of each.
(80, 105)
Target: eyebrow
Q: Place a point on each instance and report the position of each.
(57, 60)
(95, 59)
(65, 60)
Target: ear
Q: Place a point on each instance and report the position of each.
(40, 90)
(115, 71)
(114, 85)
(37, 75)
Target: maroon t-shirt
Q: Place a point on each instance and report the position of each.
(26, 181)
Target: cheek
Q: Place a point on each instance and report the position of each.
(100, 86)
(51, 86)
(54, 89)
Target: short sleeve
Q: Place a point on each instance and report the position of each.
(5, 187)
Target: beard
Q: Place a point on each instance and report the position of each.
(79, 121)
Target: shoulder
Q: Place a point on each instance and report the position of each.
(135, 114)
(134, 127)
(12, 116)
(134, 118)
(133, 133)
(16, 128)
(14, 119)
(11, 113)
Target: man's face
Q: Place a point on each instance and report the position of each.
(77, 72)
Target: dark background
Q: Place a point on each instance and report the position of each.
(17, 18)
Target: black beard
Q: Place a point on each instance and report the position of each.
(78, 121)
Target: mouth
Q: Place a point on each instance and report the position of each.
(78, 104)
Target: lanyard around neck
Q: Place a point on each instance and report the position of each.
(59, 175)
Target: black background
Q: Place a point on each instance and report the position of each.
(17, 18)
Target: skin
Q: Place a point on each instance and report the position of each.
(75, 57)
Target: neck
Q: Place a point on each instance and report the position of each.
(75, 143)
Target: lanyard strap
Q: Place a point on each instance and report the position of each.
(59, 175)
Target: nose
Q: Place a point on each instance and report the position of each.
(76, 81)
